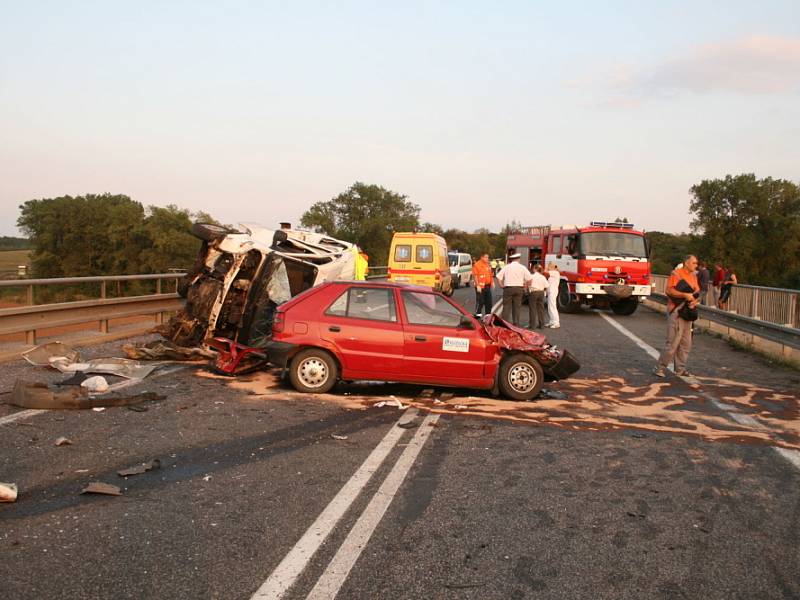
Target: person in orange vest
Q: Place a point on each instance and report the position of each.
(482, 275)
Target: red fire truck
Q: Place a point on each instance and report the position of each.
(602, 265)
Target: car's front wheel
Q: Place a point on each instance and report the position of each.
(313, 371)
(521, 377)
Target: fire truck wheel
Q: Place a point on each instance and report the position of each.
(521, 377)
(313, 371)
(567, 302)
(625, 307)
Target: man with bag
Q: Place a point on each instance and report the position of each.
(683, 292)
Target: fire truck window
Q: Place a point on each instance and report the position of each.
(402, 253)
(556, 245)
(424, 253)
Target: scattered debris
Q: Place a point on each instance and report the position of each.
(77, 378)
(121, 367)
(8, 492)
(164, 350)
(338, 437)
(461, 406)
(41, 355)
(99, 408)
(437, 401)
(393, 402)
(137, 408)
(96, 384)
(426, 393)
(447, 396)
(139, 469)
(639, 434)
(98, 487)
(408, 425)
(206, 477)
(553, 394)
(28, 394)
(63, 441)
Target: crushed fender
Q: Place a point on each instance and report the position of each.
(37, 395)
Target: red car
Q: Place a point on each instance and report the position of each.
(348, 330)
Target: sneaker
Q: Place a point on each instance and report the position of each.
(554, 326)
(659, 372)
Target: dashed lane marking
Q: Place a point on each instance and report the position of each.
(336, 574)
(793, 456)
(295, 562)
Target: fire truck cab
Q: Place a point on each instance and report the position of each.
(603, 264)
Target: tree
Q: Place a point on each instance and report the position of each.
(366, 215)
(669, 249)
(752, 225)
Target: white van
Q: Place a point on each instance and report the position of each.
(460, 268)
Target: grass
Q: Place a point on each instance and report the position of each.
(11, 259)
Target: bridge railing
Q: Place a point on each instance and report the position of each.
(773, 305)
(32, 318)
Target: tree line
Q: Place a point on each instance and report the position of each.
(751, 225)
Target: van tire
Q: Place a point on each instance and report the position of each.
(209, 232)
(313, 371)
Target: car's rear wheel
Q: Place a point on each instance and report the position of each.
(313, 371)
(521, 377)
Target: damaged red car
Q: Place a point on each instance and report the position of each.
(345, 330)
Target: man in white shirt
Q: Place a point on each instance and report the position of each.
(536, 289)
(553, 282)
(514, 277)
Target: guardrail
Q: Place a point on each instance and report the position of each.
(34, 317)
(378, 272)
(772, 305)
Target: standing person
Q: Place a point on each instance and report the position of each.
(679, 330)
(716, 283)
(553, 282)
(482, 275)
(703, 280)
(728, 282)
(537, 288)
(514, 277)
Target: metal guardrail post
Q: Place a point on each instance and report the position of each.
(30, 295)
(158, 286)
(102, 289)
(30, 337)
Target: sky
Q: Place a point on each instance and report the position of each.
(480, 113)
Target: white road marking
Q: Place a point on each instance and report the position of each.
(18, 416)
(293, 564)
(793, 456)
(339, 568)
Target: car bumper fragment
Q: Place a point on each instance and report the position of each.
(279, 353)
(566, 366)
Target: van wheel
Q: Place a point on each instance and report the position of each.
(209, 232)
(456, 281)
(521, 377)
(313, 371)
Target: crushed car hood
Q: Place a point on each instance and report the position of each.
(510, 336)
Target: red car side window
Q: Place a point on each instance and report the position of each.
(430, 309)
(376, 304)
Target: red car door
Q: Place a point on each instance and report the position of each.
(436, 349)
(362, 323)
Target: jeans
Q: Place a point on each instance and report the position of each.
(483, 300)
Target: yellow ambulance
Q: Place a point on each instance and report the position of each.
(420, 259)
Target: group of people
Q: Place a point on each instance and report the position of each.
(690, 284)
(517, 281)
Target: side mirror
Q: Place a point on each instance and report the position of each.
(466, 323)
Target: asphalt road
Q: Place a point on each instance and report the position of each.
(617, 485)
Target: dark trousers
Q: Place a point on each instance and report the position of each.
(536, 309)
(483, 300)
(512, 304)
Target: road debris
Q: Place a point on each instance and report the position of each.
(461, 406)
(408, 425)
(164, 350)
(426, 393)
(63, 441)
(98, 487)
(139, 469)
(446, 396)
(28, 394)
(437, 401)
(96, 384)
(338, 437)
(393, 402)
(552, 394)
(8, 492)
(206, 477)
(121, 367)
(99, 408)
(41, 355)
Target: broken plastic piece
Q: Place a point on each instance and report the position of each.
(98, 487)
(27, 394)
(338, 437)
(164, 350)
(393, 402)
(139, 469)
(97, 384)
(41, 355)
(8, 492)
(63, 441)
(122, 367)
